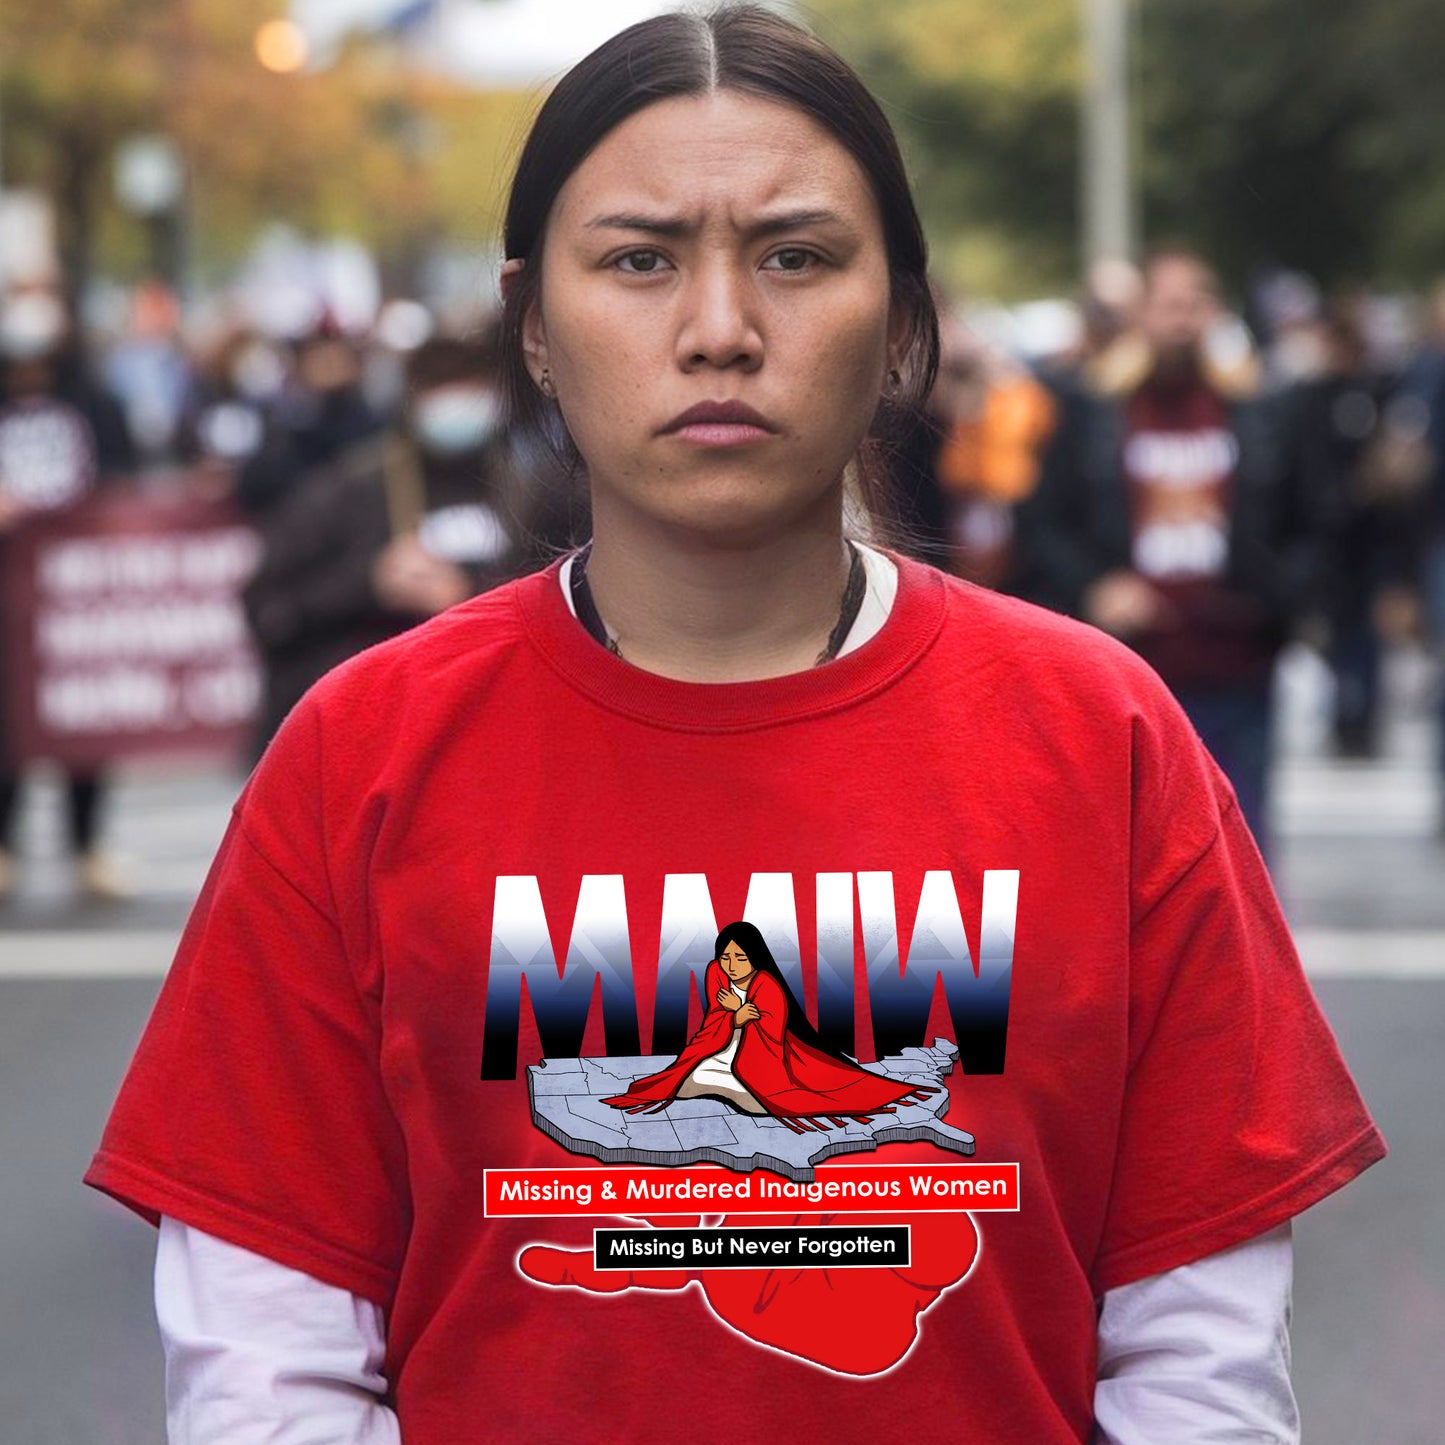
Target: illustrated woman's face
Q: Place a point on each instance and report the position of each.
(735, 963)
(724, 250)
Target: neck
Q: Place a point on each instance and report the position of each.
(700, 609)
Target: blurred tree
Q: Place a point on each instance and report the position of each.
(1302, 134)
(985, 100)
(364, 147)
(1267, 131)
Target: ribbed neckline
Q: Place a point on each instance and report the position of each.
(912, 624)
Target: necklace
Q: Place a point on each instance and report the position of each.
(853, 592)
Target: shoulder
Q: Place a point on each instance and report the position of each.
(1041, 700)
(1039, 661)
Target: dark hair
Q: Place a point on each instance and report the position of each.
(741, 48)
(749, 938)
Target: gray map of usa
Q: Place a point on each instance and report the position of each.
(567, 1097)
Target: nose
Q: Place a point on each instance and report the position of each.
(719, 324)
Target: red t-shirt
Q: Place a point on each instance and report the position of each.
(493, 818)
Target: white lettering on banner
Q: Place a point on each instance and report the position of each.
(120, 700)
(109, 564)
(172, 630)
(1181, 549)
(222, 696)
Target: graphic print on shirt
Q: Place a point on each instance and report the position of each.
(1181, 485)
(761, 1091)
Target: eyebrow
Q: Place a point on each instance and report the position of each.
(675, 226)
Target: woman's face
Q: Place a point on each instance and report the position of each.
(716, 249)
(735, 963)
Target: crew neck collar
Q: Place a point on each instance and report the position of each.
(612, 681)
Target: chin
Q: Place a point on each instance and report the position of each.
(735, 510)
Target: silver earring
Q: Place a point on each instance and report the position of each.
(895, 379)
(545, 384)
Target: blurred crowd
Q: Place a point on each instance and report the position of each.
(1205, 483)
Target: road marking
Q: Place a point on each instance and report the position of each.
(1343, 800)
(87, 953)
(102, 953)
(1372, 953)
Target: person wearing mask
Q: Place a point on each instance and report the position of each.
(1171, 515)
(396, 530)
(60, 437)
(483, 861)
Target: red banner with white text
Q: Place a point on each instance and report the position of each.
(123, 631)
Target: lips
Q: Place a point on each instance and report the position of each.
(722, 420)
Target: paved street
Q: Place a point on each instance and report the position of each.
(1362, 871)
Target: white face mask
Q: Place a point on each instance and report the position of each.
(456, 419)
(257, 372)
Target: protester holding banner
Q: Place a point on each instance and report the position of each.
(60, 437)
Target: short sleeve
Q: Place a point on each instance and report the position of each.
(254, 1108)
(1238, 1112)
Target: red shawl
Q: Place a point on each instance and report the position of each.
(789, 1078)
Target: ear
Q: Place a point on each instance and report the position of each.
(534, 334)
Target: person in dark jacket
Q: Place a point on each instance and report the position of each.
(399, 528)
(1363, 455)
(60, 437)
(1169, 514)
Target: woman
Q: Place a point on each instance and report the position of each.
(505, 837)
(779, 1067)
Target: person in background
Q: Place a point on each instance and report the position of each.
(318, 413)
(971, 456)
(149, 373)
(999, 421)
(229, 433)
(60, 437)
(1363, 458)
(397, 529)
(1422, 392)
(1169, 514)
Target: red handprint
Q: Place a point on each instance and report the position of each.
(855, 1321)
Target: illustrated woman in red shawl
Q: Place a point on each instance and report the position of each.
(756, 1049)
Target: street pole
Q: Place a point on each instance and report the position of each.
(1105, 178)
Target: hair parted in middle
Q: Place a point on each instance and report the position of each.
(750, 50)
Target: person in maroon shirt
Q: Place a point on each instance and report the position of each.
(1170, 513)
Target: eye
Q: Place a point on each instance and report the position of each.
(793, 259)
(641, 262)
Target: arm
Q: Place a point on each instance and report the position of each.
(1201, 1352)
(768, 1008)
(257, 1352)
(315, 571)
